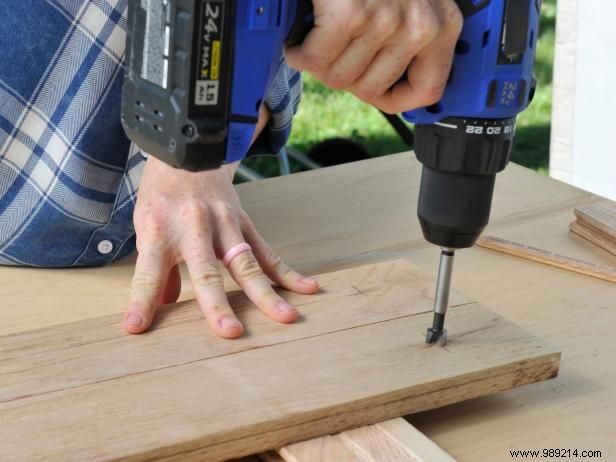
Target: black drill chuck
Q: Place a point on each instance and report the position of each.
(461, 158)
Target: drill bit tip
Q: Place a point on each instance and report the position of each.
(436, 336)
(437, 332)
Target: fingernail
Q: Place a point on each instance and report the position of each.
(227, 322)
(284, 307)
(134, 319)
(309, 281)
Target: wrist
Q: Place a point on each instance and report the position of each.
(230, 169)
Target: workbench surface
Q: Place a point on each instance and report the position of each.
(365, 212)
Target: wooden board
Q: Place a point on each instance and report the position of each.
(600, 215)
(361, 213)
(394, 440)
(527, 252)
(597, 223)
(358, 356)
(599, 238)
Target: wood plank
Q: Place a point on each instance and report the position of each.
(607, 273)
(324, 448)
(594, 235)
(179, 393)
(76, 354)
(394, 440)
(421, 447)
(600, 215)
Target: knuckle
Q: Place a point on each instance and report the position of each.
(208, 276)
(388, 20)
(272, 259)
(425, 28)
(366, 94)
(244, 219)
(453, 21)
(193, 211)
(248, 268)
(346, 18)
(226, 215)
(338, 81)
(146, 281)
(271, 298)
(390, 108)
(313, 62)
(432, 94)
(150, 225)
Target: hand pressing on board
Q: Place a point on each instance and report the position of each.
(197, 218)
(365, 46)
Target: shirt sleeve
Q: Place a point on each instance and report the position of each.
(283, 101)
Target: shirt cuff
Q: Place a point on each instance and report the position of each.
(282, 101)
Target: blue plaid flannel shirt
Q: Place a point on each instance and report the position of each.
(68, 175)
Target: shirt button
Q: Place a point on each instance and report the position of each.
(105, 247)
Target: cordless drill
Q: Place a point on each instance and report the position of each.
(198, 70)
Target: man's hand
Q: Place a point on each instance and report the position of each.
(197, 218)
(365, 46)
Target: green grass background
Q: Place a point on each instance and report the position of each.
(326, 113)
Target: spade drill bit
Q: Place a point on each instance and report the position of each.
(437, 332)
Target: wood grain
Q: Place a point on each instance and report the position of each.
(394, 440)
(361, 213)
(78, 354)
(179, 393)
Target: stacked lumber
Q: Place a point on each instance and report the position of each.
(597, 223)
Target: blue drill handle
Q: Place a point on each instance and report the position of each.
(262, 28)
